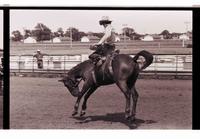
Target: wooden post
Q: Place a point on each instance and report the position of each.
(33, 64)
(19, 64)
(176, 65)
(183, 44)
(64, 64)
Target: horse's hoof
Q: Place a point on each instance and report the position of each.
(74, 113)
(82, 113)
(133, 126)
(127, 117)
(132, 119)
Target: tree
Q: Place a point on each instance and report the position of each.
(74, 32)
(166, 34)
(137, 36)
(128, 32)
(174, 34)
(99, 35)
(16, 36)
(81, 34)
(27, 33)
(60, 32)
(42, 32)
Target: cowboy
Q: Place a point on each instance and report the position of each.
(106, 44)
(39, 57)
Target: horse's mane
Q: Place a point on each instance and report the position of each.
(79, 66)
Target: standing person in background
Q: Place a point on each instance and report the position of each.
(39, 57)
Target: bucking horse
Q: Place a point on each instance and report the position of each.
(122, 69)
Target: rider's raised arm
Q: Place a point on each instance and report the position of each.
(107, 34)
(44, 54)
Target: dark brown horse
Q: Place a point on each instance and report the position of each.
(122, 70)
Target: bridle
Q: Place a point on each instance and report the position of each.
(73, 83)
(77, 82)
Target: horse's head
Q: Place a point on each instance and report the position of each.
(71, 85)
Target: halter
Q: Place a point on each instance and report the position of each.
(75, 83)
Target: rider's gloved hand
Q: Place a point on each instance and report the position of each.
(94, 46)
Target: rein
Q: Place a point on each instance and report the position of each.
(77, 83)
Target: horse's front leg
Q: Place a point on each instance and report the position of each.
(77, 105)
(86, 87)
(84, 106)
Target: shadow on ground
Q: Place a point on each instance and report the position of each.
(115, 118)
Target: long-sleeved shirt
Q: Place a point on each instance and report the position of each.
(109, 36)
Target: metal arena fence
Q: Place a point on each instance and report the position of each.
(58, 64)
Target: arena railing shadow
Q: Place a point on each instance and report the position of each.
(113, 117)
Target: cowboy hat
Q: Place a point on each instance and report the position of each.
(105, 20)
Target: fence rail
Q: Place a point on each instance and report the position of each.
(58, 64)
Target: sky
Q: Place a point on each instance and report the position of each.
(1, 29)
(88, 20)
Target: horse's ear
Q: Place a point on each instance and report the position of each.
(63, 79)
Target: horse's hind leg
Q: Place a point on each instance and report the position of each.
(127, 92)
(87, 95)
(134, 98)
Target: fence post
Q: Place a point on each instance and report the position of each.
(19, 63)
(159, 45)
(176, 66)
(155, 66)
(33, 62)
(64, 64)
(183, 43)
(47, 64)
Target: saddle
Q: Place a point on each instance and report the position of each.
(106, 66)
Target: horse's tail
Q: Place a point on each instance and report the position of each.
(148, 58)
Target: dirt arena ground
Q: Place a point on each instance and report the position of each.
(44, 103)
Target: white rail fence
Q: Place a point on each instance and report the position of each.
(62, 63)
